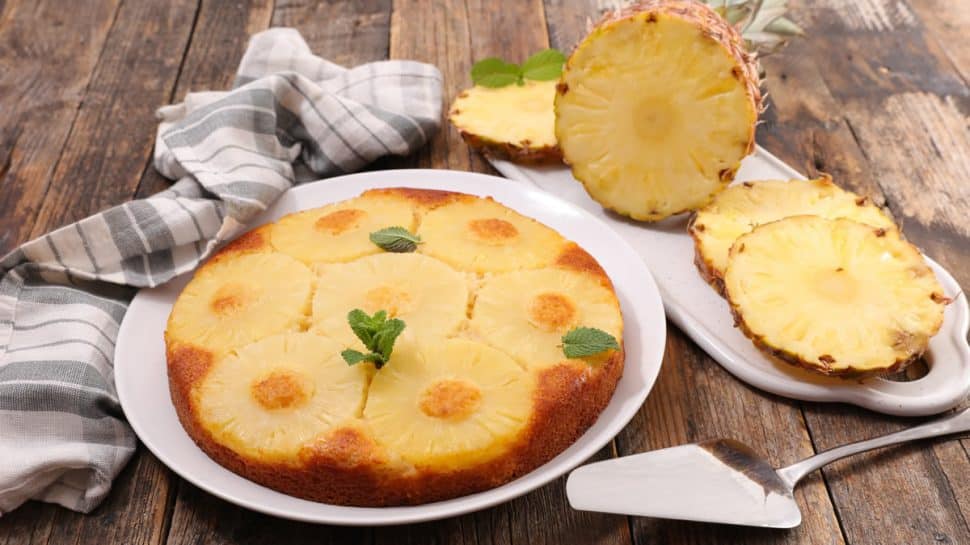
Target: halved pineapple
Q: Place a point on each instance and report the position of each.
(449, 404)
(431, 297)
(340, 232)
(481, 235)
(515, 121)
(232, 302)
(273, 396)
(742, 207)
(656, 108)
(834, 296)
(526, 313)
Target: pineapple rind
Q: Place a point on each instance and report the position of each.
(741, 207)
(683, 158)
(833, 295)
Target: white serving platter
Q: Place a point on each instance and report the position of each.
(142, 381)
(668, 251)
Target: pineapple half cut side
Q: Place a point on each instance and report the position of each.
(656, 108)
(514, 122)
(740, 208)
(834, 296)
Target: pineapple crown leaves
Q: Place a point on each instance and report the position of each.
(395, 239)
(378, 335)
(587, 341)
(762, 23)
(494, 72)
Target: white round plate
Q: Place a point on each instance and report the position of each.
(701, 313)
(142, 380)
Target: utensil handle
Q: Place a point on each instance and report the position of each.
(952, 423)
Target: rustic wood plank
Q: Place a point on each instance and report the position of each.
(353, 33)
(947, 23)
(47, 56)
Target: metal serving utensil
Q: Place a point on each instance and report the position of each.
(721, 480)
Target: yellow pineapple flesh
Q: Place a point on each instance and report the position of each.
(428, 295)
(271, 397)
(449, 404)
(515, 121)
(834, 296)
(481, 235)
(526, 313)
(743, 207)
(340, 232)
(232, 302)
(656, 108)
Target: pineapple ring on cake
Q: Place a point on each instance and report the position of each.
(740, 208)
(340, 232)
(428, 295)
(481, 235)
(449, 404)
(526, 313)
(272, 396)
(238, 298)
(834, 296)
(656, 108)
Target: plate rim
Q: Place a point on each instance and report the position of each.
(650, 364)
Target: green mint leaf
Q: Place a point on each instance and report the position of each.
(395, 239)
(378, 335)
(384, 340)
(544, 65)
(587, 341)
(362, 326)
(494, 72)
(353, 357)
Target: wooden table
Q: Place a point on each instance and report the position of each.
(876, 94)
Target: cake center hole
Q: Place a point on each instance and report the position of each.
(450, 399)
(281, 390)
(552, 311)
(392, 299)
(339, 221)
(492, 230)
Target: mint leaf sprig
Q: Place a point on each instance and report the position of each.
(494, 72)
(378, 335)
(395, 239)
(587, 341)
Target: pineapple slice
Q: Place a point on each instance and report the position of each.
(340, 232)
(428, 295)
(481, 235)
(656, 108)
(273, 396)
(526, 313)
(514, 122)
(743, 207)
(834, 296)
(449, 404)
(232, 302)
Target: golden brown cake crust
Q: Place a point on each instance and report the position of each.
(347, 465)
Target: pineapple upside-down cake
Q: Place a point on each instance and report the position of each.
(476, 392)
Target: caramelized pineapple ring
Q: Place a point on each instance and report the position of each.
(656, 110)
(232, 302)
(526, 313)
(428, 295)
(742, 207)
(272, 396)
(481, 235)
(449, 404)
(340, 232)
(835, 296)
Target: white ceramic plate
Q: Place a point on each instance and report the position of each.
(668, 251)
(142, 381)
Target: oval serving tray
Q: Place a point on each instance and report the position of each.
(690, 303)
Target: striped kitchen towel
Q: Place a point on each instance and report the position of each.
(291, 117)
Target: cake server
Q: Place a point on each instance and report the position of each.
(721, 480)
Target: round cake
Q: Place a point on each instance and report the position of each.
(476, 391)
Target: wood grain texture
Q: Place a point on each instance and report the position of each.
(47, 57)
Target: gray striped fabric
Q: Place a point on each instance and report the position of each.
(291, 117)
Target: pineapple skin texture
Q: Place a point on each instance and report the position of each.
(353, 459)
(895, 351)
(712, 28)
